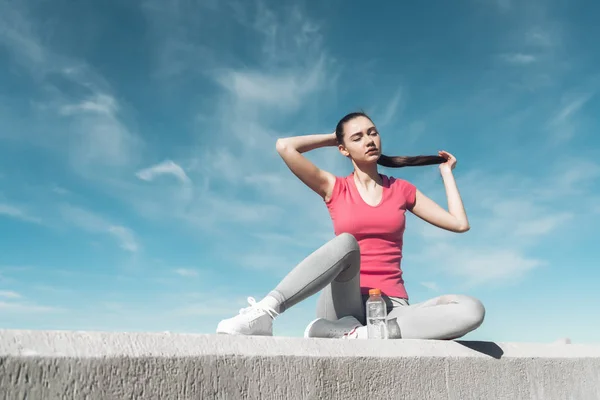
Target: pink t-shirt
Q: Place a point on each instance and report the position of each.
(379, 230)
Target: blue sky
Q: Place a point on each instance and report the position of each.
(140, 189)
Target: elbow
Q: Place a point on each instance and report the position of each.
(281, 145)
(463, 228)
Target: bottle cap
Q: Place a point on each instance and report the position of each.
(376, 292)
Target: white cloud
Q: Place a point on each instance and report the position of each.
(167, 167)
(233, 165)
(431, 286)
(510, 216)
(291, 69)
(99, 104)
(286, 90)
(186, 272)
(60, 190)
(100, 137)
(571, 108)
(183, 47)
(9, 294)
(17, 33)
(518, 58)
(93, 223)
(483, 265)
(542, 225)
(501, 5)
(17, 213)
(574, 175)
(541, 37)
(26, 308)
(125, 237)
(523, 217)
(504, 5)
(392, 110)
(95, 133)
(564, 123)
(15, 303)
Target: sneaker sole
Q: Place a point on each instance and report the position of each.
(308, 328)
(225, 331)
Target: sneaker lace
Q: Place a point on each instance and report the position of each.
(254, 306)
(350, 334)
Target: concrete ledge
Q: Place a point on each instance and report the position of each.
(96, 365)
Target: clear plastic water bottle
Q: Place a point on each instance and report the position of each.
(376, 315)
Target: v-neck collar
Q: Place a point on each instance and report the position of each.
(384, 187)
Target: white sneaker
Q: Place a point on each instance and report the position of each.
(254, 320)
(344, 327)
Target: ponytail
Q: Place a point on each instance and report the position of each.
(387, 161)
(409, 161)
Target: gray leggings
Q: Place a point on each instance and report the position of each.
(334, 269)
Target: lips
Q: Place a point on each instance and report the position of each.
(373, 150)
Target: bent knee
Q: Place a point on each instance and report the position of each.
(474, 311)
(347, 241)
(470, 310)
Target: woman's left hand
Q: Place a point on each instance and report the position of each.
(450, 161)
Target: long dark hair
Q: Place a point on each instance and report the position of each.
(388, 161)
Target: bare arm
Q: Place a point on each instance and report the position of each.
(455, 219)
(290, 149)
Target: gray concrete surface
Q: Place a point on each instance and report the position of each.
(95, 365)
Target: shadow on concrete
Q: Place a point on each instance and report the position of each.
(489, 348)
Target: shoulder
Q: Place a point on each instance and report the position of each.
(339, 188)
(398, 182)
(404, 190)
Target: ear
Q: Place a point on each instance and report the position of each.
(343, 150)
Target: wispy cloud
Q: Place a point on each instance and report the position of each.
(431, 286)
(100, 104)
(486, 265)
(106, 139)
(93, 131)
(285, 90)
(289, 69)
(20, 307)
(180, 51)
(501, 5)
(7, 294)
(166, 167)
(392, 110)
(16, 303)
(93, 223)
(564, 124)
(540, 37)
(17, 212)
(574, 175)
(518, 58)
(18, 34)
(513, 212)
(125, 237)
(186, 272)
(60, 190)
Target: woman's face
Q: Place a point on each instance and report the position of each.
(362, 142)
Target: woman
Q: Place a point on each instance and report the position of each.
(368, 213)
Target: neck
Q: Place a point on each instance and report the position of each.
(367, 175)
